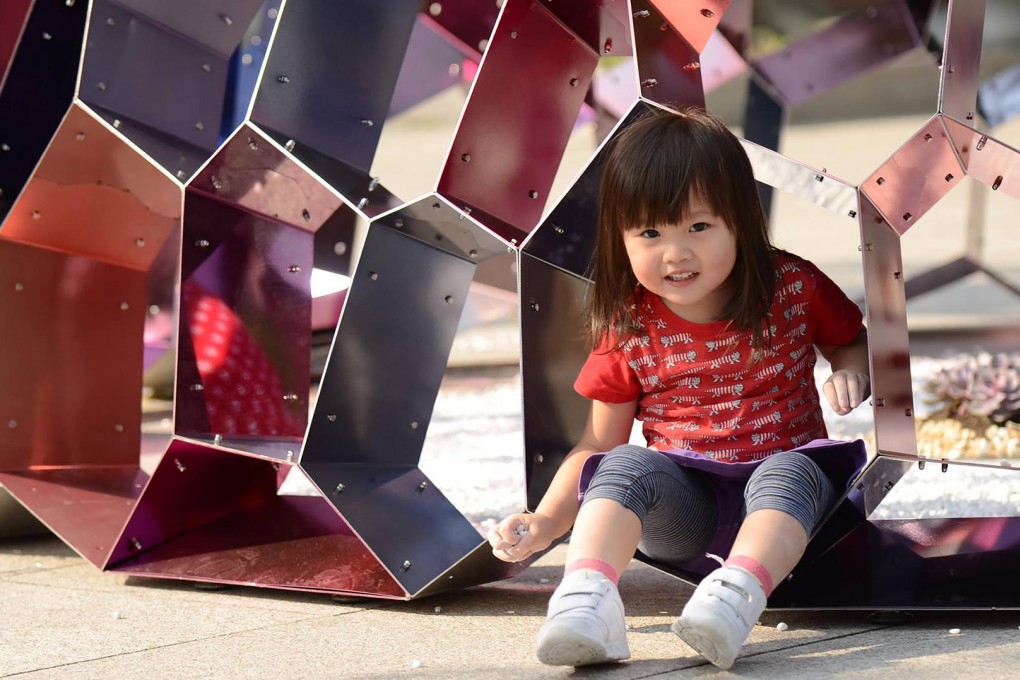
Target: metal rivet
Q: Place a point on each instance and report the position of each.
(413, 424)
(331, 417)
(367, 122)
(289, 146)
(19, 286)
(897, 275)
(448, 299)
(398, 223)
(373, 275)
(608, 46)
(118, 428)
(880, 181)
(217, 439)
(513, 35)
(406, 565)
(945, 467)
(290, 455)
(707, 13)
(649, 82)
(473, 253)
(180, 174)
(179, 464)
(539, 458)
(116, 123)
(889, 486)
(293, 269)
(110, 21)
(290, 396)
(101, 86)
(339, 488)
(253, 144)
(124, 306)
(202, 243)
(641, 14)
(362, 203)
(920, 465)
(140, 242)
(880, 402)
(207, 68)
(574, 82)
(423, 486)
(852, 213)
(908, 412)
(927, 137)
(217, 183)
(12, 424)
(533, 194)
(282, 79)
(534, 306)
(907, 216)
(136, 544)
(996, 183)
(80, 136)
(307, 215)
(466, 157)
(557, 228)
(373, 184)
(36, 214)
(227, 20)
(981, 142)
(197, 387)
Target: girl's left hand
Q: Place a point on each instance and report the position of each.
(846, 389)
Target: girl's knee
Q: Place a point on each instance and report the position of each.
(785, 468)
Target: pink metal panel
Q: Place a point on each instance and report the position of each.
(669, 68)
(93, 195)
(13, 15)
(892, 395)
(695, 21)
(720, 62)
(603, 25)
(986, 159)
(85, 507)
(252, 172)
(70, 359)
(856, 43)
(961, 59)
(920, 173)
(507, 148)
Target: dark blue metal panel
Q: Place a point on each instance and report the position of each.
(38, 91)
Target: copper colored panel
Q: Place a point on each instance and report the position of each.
(508, 147)
(854, 44)
(244, 342)
(891, 390)
(251, 171)
(603, 25)
(93, 195)
(695, 21)
(85, 507)
(986, 159)
(961, 59)
(70, 359)
(286, 542)
(669, 68)
(920, 173)
(13, 15)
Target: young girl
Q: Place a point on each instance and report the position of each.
(706, 332)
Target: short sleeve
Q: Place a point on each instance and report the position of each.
(837, 318)
(606, 377)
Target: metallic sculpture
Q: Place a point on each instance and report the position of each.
(169, 177)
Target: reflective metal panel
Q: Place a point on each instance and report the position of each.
(961, 59)
(855, 43)
(603, 25)
(244, 353)
(920, 173)
(811, 184)
(305, 96)
(94, 196)
(695, 21)
(669, 67)
(886, 308)
(70, 359)
(507, 149)
(13, 15)
(84, 507)
(48, 52)
(986, 159)
(552, 353)
(400, 514)
(256, 175)
(217, 26)
(390, 351)
(432, 63)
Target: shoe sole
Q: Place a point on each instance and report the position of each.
(705, 645)
(567, 648)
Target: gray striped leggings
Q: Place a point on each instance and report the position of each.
(677, 506)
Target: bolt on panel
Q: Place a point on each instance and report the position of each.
(986, 159)
(467, 21)
(695, 22)
(603, 25)
(669, 67)
(50, 44)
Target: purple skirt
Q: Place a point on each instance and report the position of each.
(841, 461)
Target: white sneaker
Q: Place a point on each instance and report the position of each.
(720, 614)
(585, 622)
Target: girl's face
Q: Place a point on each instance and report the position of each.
(687, 264)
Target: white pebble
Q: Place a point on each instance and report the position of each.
(781, 626)
(416, 663)
(954, 631)
(118, 615)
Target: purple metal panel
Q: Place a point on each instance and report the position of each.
(856, 43)
(94, 196)
(669, 68)
(218, 25)
(506, 151)
(961, 59)
(694, 21)
(253, 173)
(720, 62)
(917, 175)
(244, 342)
(433, 62)
(13, 16)
(999, 96)
(70, 359)
(469, 21)
(986, 159)
(85, 507)
(891, 390)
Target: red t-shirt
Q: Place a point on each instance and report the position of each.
(695, 387)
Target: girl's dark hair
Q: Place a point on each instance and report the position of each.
(651, 170)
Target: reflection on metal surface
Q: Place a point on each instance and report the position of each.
(961, 59)
(810, 184)
(667, 46)
(891, 392)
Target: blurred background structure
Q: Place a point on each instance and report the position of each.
(291, 288)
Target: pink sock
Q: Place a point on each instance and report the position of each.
(595, 564)
(754, 568)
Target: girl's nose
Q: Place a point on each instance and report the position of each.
(677, 251)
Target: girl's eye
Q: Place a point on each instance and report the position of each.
(698, 227)
(649, 233)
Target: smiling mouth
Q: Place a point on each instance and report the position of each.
(686, 276)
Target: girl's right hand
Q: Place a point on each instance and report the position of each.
(520, 536)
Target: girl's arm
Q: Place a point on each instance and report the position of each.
(850, 382)
(521, 535)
